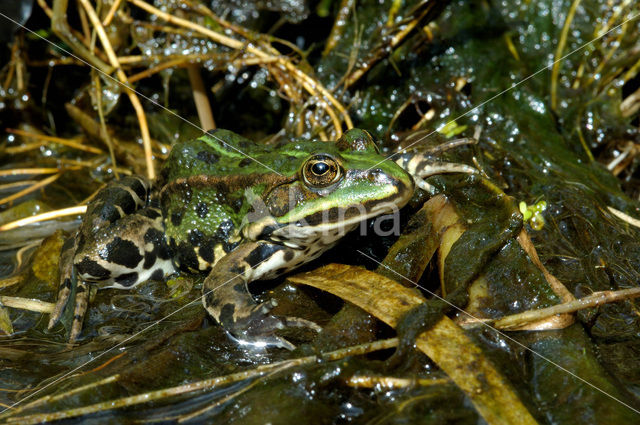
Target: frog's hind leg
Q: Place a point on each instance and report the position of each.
(66, 280)
(120, 243)
(79, 309)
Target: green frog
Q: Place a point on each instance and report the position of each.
(240, 212)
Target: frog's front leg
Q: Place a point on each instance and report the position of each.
(226, 296)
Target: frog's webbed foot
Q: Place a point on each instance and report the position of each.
(423, 165)
(257, 327)
(227, 299)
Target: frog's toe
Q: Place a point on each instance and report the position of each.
(301, 323)
(263, 341)
(63, 297)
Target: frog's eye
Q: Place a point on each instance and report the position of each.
(321, 171)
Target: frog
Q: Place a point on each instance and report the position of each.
(236, 211)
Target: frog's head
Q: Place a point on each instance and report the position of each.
(334, 186)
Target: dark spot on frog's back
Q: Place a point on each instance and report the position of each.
(109, 213)
(202, 209)
(152, 213)
(136, 185)
(149, 259)
(122, 252)
(186, 257)
(176, 218)
(227, 313)
(195, 237)
(208, 157)
(153, 235)
(244, 162)
(120, 197)
(206, 250)
(88, 267)
(224, 230)
(160, 247)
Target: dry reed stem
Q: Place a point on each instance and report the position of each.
(45, 138)
(50, 215)
(200, 98)
(30, 189)
(597, 298)
(312, 86)
(133, 97)
(562, 41)
(112, 11)
(27, 304)
(29, 171)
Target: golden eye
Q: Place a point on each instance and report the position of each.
(321, 171)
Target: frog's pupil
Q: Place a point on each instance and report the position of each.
(319, 168)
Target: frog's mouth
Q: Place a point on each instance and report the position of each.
(326, 227)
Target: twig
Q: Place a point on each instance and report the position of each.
(59, 140)
(133, 97)
(30, 189)
(390, 382)
(112, 11)
(103, 123)
(593, 300)
(200, 98)
(80, 209)
(555, 70)
(625, 217)
(28, 171)
(27, 304)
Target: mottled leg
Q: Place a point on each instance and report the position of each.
(66, 280)
(226, 297)
(79, 310)
(422, 166)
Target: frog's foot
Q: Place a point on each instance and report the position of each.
(254, 325)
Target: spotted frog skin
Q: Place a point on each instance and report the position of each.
(239, 212)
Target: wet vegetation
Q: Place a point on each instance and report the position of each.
(542, 249)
